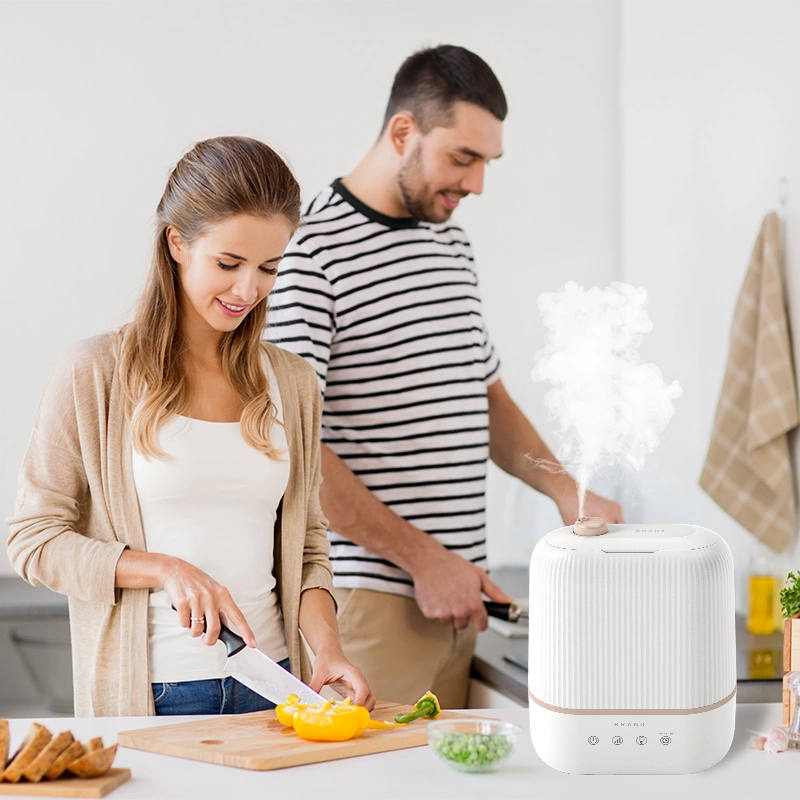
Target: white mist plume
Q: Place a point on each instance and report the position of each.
(610, 408)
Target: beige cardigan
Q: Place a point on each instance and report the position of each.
(77, 510)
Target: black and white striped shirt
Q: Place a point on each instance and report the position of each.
(388, 313)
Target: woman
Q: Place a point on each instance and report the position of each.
(176, 463)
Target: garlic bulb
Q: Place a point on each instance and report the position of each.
(777, 740)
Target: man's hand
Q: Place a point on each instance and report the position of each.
(449, 588)
(593, 506)
(516, 447)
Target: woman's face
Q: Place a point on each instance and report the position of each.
(228, 270)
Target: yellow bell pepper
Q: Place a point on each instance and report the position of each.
(331, 722)
(377, 724)
(286, 711)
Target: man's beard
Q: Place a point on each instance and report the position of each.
(413, 188)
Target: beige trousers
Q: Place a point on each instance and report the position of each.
(401, 653)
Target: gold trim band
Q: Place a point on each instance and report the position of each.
(636, 711)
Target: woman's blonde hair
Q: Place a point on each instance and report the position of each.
(217, 179)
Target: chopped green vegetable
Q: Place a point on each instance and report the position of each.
(790, 595)
(473, 752)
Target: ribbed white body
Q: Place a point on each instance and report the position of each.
(635, 625)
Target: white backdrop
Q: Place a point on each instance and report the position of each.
(710, 123)
(645, 142)
(99, 99)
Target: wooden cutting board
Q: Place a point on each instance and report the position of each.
(258, 741)
(69, 787)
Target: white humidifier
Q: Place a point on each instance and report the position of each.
(632, 653)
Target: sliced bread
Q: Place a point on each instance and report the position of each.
(73, 752)
(37, 739)
(36, 770)
(5, 739)
(94, 764)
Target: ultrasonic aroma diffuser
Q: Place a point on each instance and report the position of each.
(632, 662)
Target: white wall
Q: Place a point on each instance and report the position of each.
(100, 99)
(710, 122)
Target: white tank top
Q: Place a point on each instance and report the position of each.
(212, 502)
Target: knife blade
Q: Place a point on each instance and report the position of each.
(257, 671)
(510, 612)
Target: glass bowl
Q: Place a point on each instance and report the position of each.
(472, 745)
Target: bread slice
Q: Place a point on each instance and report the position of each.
(38, 767)
(5, 738)
(37, 739)
(73, 752)
(94, 764)
(95, 744)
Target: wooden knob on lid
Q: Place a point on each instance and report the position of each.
(590, 526)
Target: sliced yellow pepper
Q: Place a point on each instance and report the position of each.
(377, 724)
(286, 711)
(331, 722)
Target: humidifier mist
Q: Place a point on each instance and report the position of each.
(609, 407)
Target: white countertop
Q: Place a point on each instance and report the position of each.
(417, 773)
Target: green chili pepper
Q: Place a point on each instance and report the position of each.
(427, 706)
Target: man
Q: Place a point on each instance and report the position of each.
(379, 293)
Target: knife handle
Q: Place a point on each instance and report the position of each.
(232, 641)
(505, 611)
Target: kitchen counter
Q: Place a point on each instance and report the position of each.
(20, 600)
(417, 772)
(488, 665)
(759, 659)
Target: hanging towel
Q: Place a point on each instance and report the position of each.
(748, 471)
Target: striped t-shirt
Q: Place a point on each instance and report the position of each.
(388, 313)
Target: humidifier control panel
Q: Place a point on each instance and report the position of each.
(631, 735)
(597, 744)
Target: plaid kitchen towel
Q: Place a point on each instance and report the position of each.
(748, 471)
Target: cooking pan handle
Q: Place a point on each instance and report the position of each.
(506, 611)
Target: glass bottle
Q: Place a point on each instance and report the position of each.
(793, 682)
(777, 610)
(761, 591)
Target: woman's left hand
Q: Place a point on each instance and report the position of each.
(332, 669)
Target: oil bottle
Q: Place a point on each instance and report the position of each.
(761, 591)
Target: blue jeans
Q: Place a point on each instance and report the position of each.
(214, 696)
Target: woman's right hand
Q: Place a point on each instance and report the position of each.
(193, 592)
(198, 598)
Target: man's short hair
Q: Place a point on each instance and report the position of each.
(430, 81)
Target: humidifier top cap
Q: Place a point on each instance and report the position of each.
(590, 526)
(589, 534)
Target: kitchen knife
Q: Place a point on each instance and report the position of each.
(510, 612)
(260, 673)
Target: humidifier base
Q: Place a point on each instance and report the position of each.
(628, 743)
